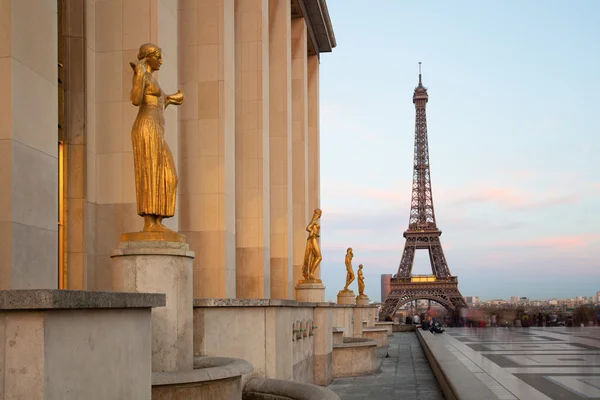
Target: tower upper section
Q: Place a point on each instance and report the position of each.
(422, 215)
(420, 96)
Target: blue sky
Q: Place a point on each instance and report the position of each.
(514, 137)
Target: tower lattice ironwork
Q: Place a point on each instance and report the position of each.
(422, 233)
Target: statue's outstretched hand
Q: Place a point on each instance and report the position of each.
(138, 67)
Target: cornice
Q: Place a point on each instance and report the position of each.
(318, 23)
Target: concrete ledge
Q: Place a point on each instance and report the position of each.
(387, 325)
(338, 335)
(276, 389)
(455, 379)
(251, 303)
(354, 357)
(355, 342)
(49, 299)
(379, 335)
(205, 369)
(404, 328)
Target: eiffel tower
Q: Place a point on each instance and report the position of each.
(422, 233)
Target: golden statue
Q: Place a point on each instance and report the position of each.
(312, 255)
(361, 281)
(349, 272)
(155, 174)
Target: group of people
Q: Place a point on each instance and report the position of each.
(432, 325)
(427, 321)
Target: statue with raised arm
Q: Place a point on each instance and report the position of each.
(312, 254)
(155, 174)
(349, 271)
(361, 281)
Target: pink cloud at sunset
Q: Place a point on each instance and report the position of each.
(364, 192)
(371, 247)
(509, 198)
(505, 198)
(556, 242)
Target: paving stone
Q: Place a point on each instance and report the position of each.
(405, 375)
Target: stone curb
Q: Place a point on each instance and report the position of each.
(455, 379)
(269, 389)
(205, 369)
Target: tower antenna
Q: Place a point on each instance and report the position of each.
(419, 72)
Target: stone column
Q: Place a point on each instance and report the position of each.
(118, 29)
(300, 217)
(252, 149)
(313, 161)
(280, 147)
(72, 54)
(323, 346)
(207, 154)
(28, 145)
(356, 321)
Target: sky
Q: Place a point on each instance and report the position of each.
(514, 136)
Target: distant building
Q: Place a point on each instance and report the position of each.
(472, 300)
(385, 286)
(514, 299)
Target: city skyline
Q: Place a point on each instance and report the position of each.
(512, 97)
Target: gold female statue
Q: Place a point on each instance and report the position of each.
(312, 255)
(155, 175)
(361, 281)
(349, 271)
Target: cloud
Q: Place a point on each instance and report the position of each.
(351, 189)
(375, 247)
(512, 199)
(396, 220)
(522, 175)
(568, 242)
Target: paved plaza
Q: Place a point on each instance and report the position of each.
(531, 363)
(405, 375)
(516, 363)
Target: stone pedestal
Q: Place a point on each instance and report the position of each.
(310, 292)
(346, 297)
(161, 267)
(362, 300)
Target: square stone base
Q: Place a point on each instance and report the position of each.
(346, 297)
(362, 300)
(161, 267)
(310, 292)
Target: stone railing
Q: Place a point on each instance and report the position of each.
(269, 389)
(57, 339)
(297, 336)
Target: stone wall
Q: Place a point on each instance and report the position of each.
(278, 337)
(74, 345)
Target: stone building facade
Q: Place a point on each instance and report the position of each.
(245, 140)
